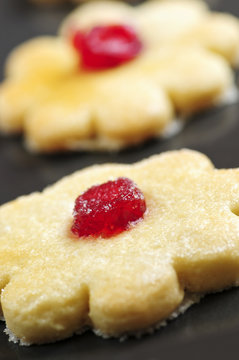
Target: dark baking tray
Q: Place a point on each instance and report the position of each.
(208, 330)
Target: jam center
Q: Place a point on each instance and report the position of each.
(104, 47)
(108, 209)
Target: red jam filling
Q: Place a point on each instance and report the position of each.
(104, 47)
(108, 209)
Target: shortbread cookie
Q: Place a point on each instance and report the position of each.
(117, 248)
(50, 2)
(147, 65)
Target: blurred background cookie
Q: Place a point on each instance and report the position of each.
(54, 2)
(117, 75)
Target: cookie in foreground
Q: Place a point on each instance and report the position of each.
(117, 75)
(118, 248)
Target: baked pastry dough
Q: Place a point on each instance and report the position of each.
(185, 65)
(53, 2)
(54, 284)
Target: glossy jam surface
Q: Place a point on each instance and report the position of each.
(108, 209)
(105, 47)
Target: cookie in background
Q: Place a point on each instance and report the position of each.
(117, 75)
(54, 2)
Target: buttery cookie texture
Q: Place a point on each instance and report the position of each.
(117, 75)
(53, 2)
(55, 284)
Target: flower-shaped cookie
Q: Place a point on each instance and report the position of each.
(57, 1)
(54, 284)
(182, 66)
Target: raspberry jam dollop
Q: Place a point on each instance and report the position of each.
(108, 209)
(104, 47)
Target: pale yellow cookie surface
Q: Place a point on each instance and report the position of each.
(50, 2)
(53, 284)
(185, 66)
